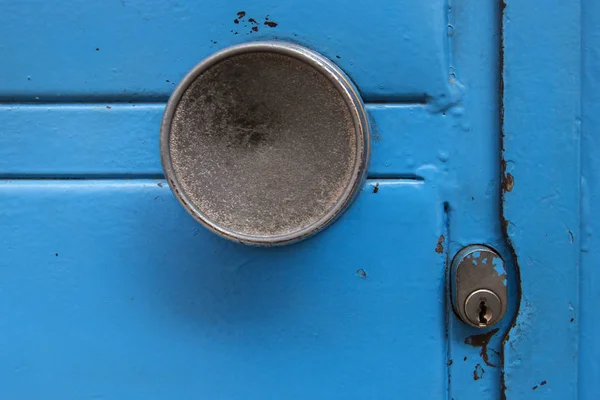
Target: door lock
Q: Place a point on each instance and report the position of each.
(479, 287)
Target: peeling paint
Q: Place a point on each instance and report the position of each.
(499, 266)
(482, 341)
(508, 182)
(439, 248)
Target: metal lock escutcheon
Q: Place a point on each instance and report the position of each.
(265, 143)
(478, 286)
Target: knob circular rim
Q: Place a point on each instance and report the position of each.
(353, 103)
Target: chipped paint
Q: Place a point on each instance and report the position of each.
(478, 372)
(361, 272)
(499, 266)
(508, 182)
(439, 248)
(482, 341)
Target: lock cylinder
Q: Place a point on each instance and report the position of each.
(478, 286)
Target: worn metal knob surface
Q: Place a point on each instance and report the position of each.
(265, 143)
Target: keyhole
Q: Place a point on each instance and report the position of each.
(485, 314)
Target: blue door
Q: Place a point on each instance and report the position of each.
(481, 133)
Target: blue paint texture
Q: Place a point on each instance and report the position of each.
(471, 187)
(542, 91)
(109, 289)
(589, 274)
(140, 49)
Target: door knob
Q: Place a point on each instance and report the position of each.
(265, 143)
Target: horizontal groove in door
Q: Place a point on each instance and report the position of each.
(404, 99)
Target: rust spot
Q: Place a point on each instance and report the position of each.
(535, 387)
(361, 272)
(478, 372)
(253, 21)
(174, 187)
(241, 14)
(572, 319)
(109, 107)
(236, 21)
(449, 362)
(159, 184)
(376, 188)
(508, 183)
(55, 254)
(439, 248)
(271, 24)
(255, 28)
(482, 341)
(543, 383)
(465, 359)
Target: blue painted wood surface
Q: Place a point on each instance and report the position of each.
(589, 283)
(542, 117)
(139, 49)
(443, 140)
(108, 289)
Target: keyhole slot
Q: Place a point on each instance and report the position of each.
(482, 309)
(484, 313)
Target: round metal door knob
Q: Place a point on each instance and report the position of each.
(265, 143)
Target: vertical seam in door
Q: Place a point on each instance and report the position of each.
(447, 302)
(503, 220)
